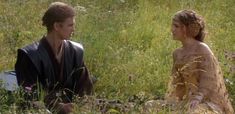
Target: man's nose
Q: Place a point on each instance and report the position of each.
(73, 29)
(172, 29)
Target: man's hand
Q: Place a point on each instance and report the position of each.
(66, 108)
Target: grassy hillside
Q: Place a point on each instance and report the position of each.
(128, 44)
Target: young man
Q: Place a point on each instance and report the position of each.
(55, 63)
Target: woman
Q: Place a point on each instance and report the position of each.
(55, 63)
(197, 83)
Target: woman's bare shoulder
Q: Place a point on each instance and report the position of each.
(203, 48)
(176, 52)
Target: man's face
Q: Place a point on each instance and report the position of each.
(66, 28)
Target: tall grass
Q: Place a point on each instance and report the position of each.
(127, 43)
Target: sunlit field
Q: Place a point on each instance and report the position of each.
(128, 45)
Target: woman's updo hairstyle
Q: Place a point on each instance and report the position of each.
(194, 23)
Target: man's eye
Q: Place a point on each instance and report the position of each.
(176, 26)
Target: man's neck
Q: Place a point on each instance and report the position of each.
(55, 42)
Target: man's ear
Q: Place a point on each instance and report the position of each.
(56, 26)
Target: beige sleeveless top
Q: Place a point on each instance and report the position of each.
(199, 77)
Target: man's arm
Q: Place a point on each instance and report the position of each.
(26, 73)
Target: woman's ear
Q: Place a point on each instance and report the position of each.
(184, 30)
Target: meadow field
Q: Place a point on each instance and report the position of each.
(128, 43)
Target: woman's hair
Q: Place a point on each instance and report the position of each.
(194, 23)
(57, 12)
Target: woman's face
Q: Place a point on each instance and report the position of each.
(66, 28)
(178, 30)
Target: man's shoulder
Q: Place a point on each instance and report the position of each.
(30, 47)
(75, 45)
(75, 50)
(31, 53)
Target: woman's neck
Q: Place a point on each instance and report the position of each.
(189, 43)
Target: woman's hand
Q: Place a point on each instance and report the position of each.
(196, 100)
(193, 104)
